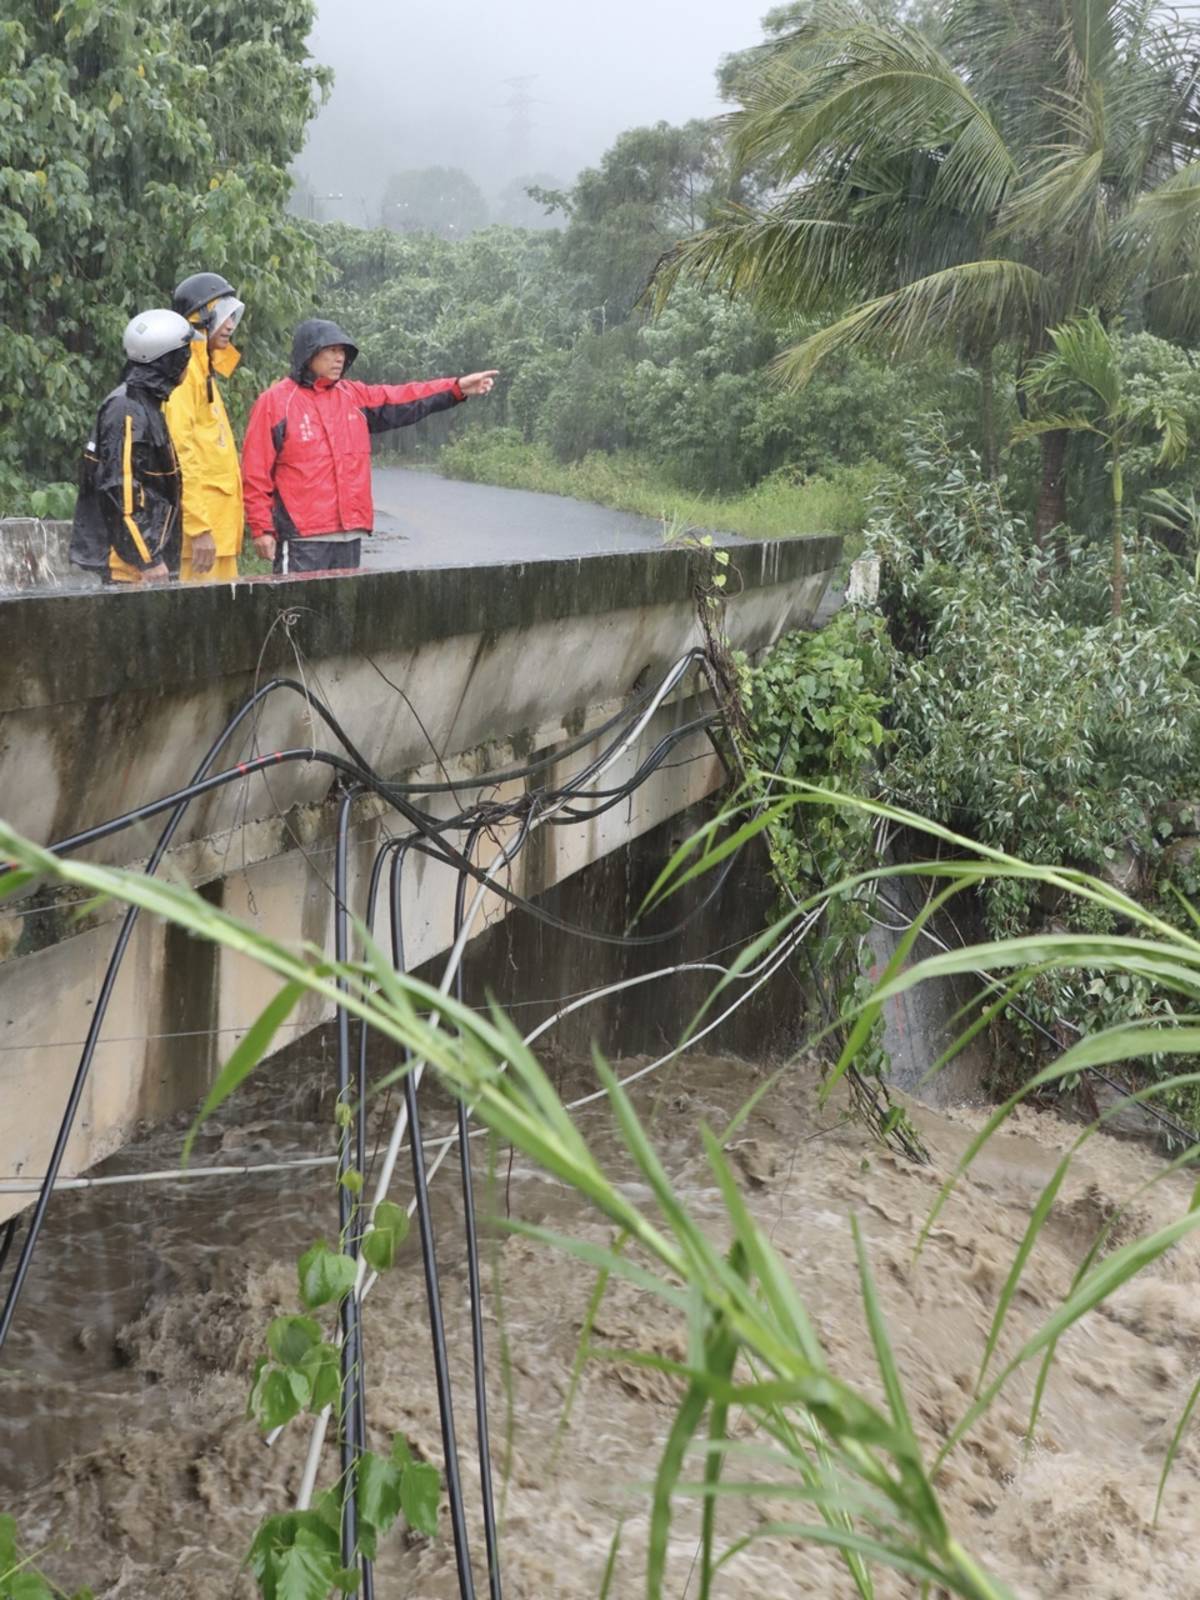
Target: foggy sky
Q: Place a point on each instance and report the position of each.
(422, 85)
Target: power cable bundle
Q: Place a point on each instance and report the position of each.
(579, 800)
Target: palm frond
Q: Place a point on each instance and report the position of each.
(843, 236)
(1063, 193)
(870, 87)
(1083, 357)
(1053, 422)
(995, 298)
(1164, 225)
(795, 262)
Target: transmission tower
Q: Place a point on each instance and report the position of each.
(520, 123)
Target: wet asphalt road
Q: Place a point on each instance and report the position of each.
(422, 520)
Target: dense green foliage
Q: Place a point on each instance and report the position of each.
(138, 143)
(966, 183)
(1025, 716)
(688, 394)
(1078, 387)
(814, 706)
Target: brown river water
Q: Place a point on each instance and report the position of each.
(123, 1443)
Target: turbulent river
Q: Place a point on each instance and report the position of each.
(124, 1446)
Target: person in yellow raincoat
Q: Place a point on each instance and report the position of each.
(203, 438)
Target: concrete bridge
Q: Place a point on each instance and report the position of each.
(110, 700)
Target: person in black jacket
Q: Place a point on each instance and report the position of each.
(127, 520)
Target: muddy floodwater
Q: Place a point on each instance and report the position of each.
(124, 1446)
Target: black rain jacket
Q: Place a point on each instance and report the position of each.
(129, 482)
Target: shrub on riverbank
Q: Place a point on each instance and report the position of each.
(1023, 715)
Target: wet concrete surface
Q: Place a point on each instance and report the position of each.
(421, 521)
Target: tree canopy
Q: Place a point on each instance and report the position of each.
(981, 179)
(137, 144)
(442, 200)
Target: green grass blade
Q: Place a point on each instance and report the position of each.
(863, 1024)
(687, 1420)
(692, 1239)
(1033, 1228)
(610, 1566)
(249, 1051)
(925, 1508)
(749, 1106)
(583, 1349)
(1173, 1447)
(1103, 1281)
(722, 1353)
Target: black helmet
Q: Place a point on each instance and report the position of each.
(198, 293)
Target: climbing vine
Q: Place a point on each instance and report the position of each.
(814, 709)
(298, 1555)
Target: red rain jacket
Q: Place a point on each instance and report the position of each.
(306, 460)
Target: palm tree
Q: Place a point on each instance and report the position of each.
(1036, 158)
(1077, 387)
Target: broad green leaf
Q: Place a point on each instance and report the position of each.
(327, 1508)
(420, 1489)
(378, 1491)
(325, 1275)
(390, 1229)
(304, 1572)
(321, 1365)
(278, 1395)
(29, 1586)
(289, 1339)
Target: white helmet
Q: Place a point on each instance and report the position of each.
(153, 333)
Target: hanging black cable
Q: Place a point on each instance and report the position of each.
(75, 1094)
(354, 769)
(436, 844)
(433, 1293)
(351, 1145)
(495, 1588)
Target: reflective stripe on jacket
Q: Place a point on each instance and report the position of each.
(204, 443)
(306, 461)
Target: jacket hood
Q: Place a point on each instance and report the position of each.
(160, 377)
(312, 336)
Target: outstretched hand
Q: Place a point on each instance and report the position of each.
(479, 382)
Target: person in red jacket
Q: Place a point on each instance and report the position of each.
(306, 460)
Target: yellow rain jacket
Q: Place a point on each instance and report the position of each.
(208, 460)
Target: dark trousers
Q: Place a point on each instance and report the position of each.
(317, 555)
